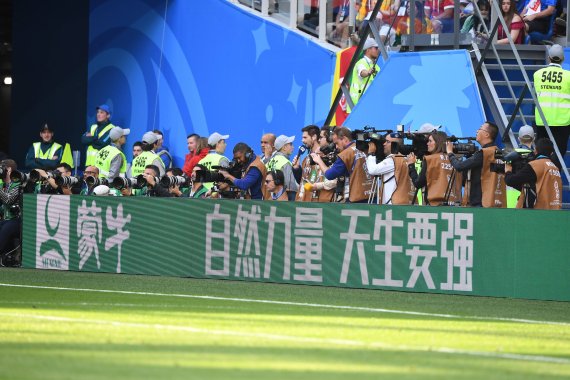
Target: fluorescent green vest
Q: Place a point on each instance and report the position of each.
(552, 85)
(357, 83)
(92, 152)
(277, 162)
(142, 161)
(211, 159)
(45, 155)
(104, 158)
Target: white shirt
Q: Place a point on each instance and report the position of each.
(386, 170)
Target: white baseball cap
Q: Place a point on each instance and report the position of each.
(216, 137)
(282, 140)
(150, 138)
(526, 131)
(101, 190)
(117, 132)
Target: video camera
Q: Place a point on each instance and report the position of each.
(516, 159)
(369, 134)
(467, 149)
(234, 168)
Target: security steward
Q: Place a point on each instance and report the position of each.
(98, 135)
(364, 71)
(252, 181)
(350, 164)
(539, 180)
(552, 86)
(111, 161)
(45, 154)
(485, 180)
(280, 161)
(148, 156)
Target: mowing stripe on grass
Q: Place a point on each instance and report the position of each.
(289, 303)
(293, 338)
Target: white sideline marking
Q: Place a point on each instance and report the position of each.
(293, 338)
(289, 303)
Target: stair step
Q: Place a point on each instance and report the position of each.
(514, 101)
(531, 117)
(513, 83)
(496, 66)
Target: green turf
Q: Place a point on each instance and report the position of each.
(62, 334)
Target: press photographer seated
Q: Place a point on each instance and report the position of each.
(10, 207)
(274, 181)
(440, 182)
(58, 182)
(150, 181)
(539, 180)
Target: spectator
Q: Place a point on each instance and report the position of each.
(537, 13)
(440, 12)
(45, 154)
(201, 152)
(137, 150)
(513, 21)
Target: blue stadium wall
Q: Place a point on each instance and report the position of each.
(245, 77)
(184, 68)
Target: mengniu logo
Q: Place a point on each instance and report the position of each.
(52, 232)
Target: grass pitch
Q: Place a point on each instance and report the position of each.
(64, 325)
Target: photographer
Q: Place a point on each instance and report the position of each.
(151, 186)
(176, 175)
(485, 185)
(539, 180)
(274, 183)
(349, 164)
(393, 182)
(518, 159)
(440, 181)
(10, 207)
(253, 175)
(52, 186)
(90, 180)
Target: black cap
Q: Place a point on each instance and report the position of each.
(46, 127)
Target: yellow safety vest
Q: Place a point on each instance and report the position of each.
(91, 151)
(211, 159)
(142, 161)
(48, 154)
(104, 158)
(552, 85)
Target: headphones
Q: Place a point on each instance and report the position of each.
(278, 177)
(248, 154)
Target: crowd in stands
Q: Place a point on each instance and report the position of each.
(523, 18)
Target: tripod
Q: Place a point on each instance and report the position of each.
(450, 186)
(377, 190)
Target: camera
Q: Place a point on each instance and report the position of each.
(204, 175)
(467, 149)
(121, 183)
(328, 155)
(172, 181)
(16, 176)
(93, 182)
(369, 134)
(66, 181)
(516, 159)
(141, 181)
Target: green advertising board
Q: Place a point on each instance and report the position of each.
(486, 252)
